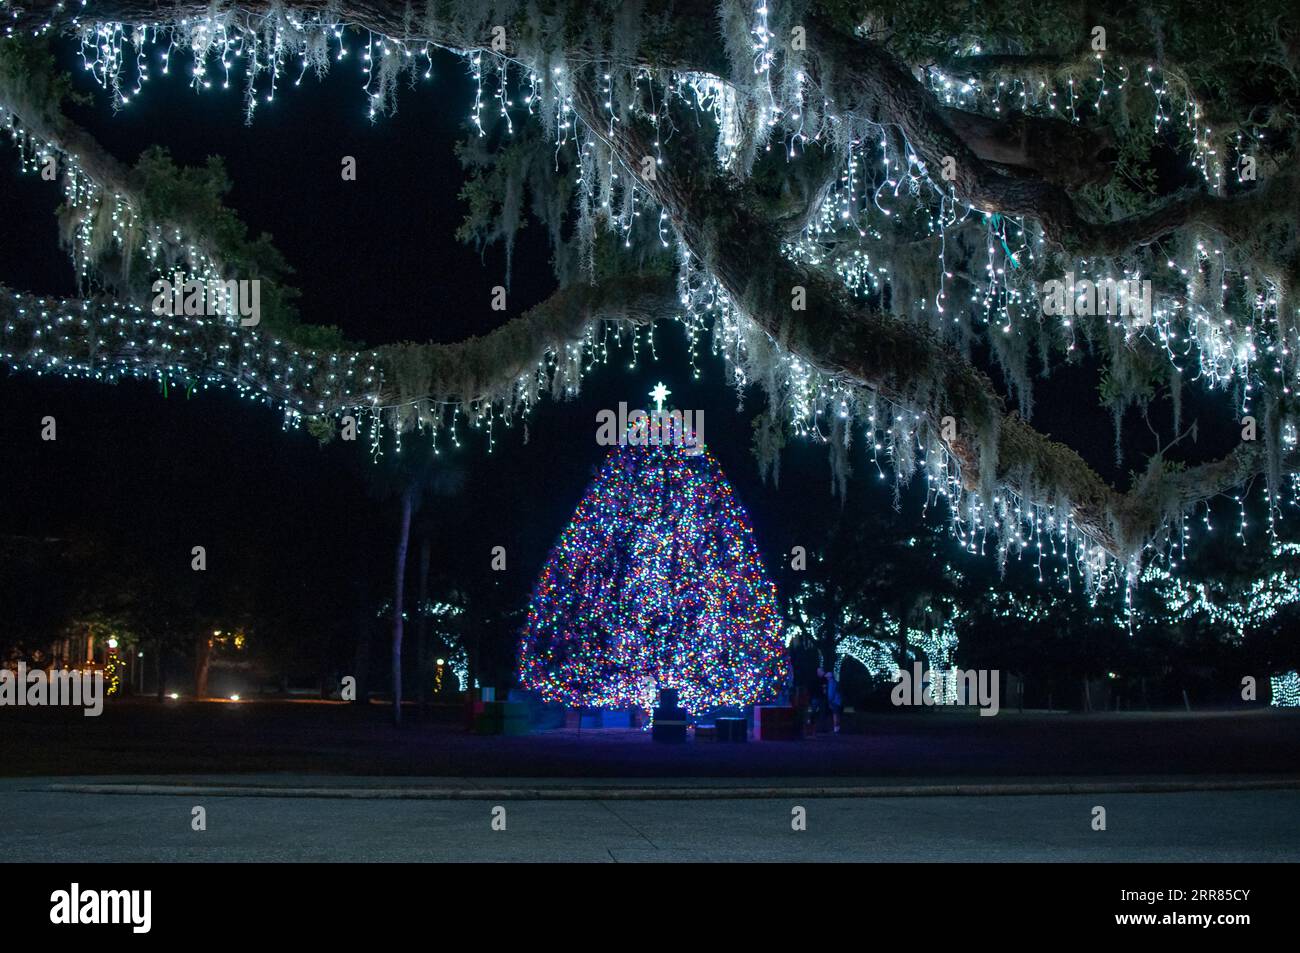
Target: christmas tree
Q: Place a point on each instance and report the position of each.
(655, 583)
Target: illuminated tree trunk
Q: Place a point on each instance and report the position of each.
(904, 611)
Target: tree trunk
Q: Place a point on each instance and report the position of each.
(202, 664)
(423, 669)
(824, 642)
(904, 610)
(399, 586)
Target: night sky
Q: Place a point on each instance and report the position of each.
(378, 257)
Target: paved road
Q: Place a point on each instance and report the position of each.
(1194, 826)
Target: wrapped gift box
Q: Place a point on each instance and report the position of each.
(502, 718)
(619, 718)
(515, 717)
(669, 725)
(776, 723)
(732, 729)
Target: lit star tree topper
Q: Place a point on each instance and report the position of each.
(655, 583)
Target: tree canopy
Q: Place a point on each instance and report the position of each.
(864, 208)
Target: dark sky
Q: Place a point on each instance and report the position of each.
(378, 258)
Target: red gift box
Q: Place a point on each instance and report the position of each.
(776, 723)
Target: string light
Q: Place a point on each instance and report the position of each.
(1214, 317)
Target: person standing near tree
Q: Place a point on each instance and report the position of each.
(828, 697)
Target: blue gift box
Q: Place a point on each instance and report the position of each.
(620, 718)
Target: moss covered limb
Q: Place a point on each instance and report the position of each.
(859, 79)
(865, 80)
(46, 123)
(904, 362)
(486, 367)
(105, 339)
(674, 34)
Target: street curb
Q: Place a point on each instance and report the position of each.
(675, 794)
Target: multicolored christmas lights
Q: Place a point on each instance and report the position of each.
(655, 583)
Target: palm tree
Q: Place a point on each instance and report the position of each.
(412, 474)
